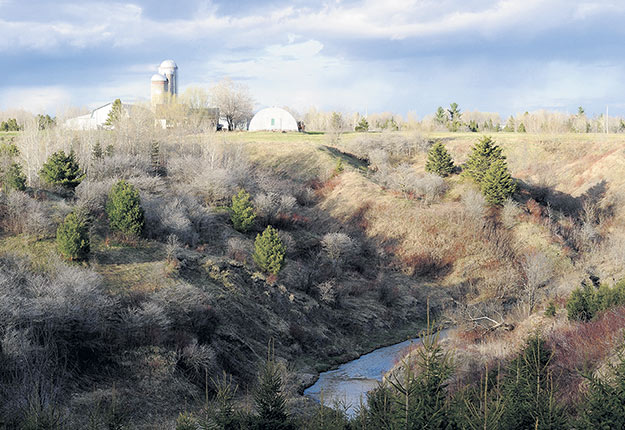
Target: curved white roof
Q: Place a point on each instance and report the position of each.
(168, 64)
(158, 78)
(273, 119)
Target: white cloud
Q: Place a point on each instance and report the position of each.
(90, 24)
(36, 99)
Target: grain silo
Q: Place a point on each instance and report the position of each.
(169, 69)
(158, 90)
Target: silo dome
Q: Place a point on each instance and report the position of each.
(168, 64)
(273, 119)
(158, 78)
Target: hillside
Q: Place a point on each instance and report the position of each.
(150, 321)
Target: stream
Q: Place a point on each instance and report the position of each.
(352, 380)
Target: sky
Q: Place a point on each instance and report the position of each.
(506, 56)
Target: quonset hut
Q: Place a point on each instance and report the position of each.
(273, 119)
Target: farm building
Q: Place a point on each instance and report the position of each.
(273, 119)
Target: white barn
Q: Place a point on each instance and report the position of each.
(273, 119)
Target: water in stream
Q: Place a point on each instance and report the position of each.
(354, 379)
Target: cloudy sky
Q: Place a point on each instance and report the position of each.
(504, 56)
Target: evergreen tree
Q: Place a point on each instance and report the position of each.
(72, 237)
(421, 397)
(483, 154)
(454, 117)
(242, 212)
(441, 116)
(509, 128)
(581, 305)
(497, 184)
(124, 209)
(482, 408)
(63, 170)
(155, 158)
(96, 152)
(604, 405)
(363, 125)
(439, 161)
(529, 391)
(473, 126)
(269, 398)
(13, 178)
(269, 251)
(115, 113)
(521, 128)
(45, 122)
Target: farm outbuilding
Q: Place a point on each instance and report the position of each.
(273, 119)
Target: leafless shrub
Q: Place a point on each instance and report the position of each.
(269, 207)
(24, 214)
(288, 241)
(538, 270)
(183, 216)
(327, 292)
(510, 213)
(200, 358)
(172, 247)
(147, 324)
(93, 195)
(405, 179)
(240, 249)
(339, 248)
(398, 146)
(378, 159)
(120, 166)
(474, 205)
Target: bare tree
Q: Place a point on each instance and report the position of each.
(538, 271)
(234, 101)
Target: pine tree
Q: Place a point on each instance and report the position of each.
(441, 116)
(439, 161)
(242, 212)
(269, 251)
(362, 126)
(63, 170)
(96, 152)
(269, 398)
(604, 405)
(483, 154)
(124, 209)
(529, 391)
(454, 117)
(521, 128)
(115, 113)
(13, 178)
(497, 184)
(72, 237)
(509, 128)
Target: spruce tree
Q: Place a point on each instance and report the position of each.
(441, 116)
(521, 128)
(439, 161)
(124, 209)
(63, 170)
(509, 128)
(483, 154)
(454, 117)
(96, 152)
(242, 212)
(269, 251)
(362, 126)
(72, 237)
(115, 114)
(269, 398)
(604, 404)
(497, 184)
(13, 178)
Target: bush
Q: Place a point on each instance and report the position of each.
(439, 161)
(483, 154)
(586, 301)
(13, 178)
(124, 209)
(269, 251)
(24, 214)
(497, 183)
(63, 170)
(242, 212)
(72, 237)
